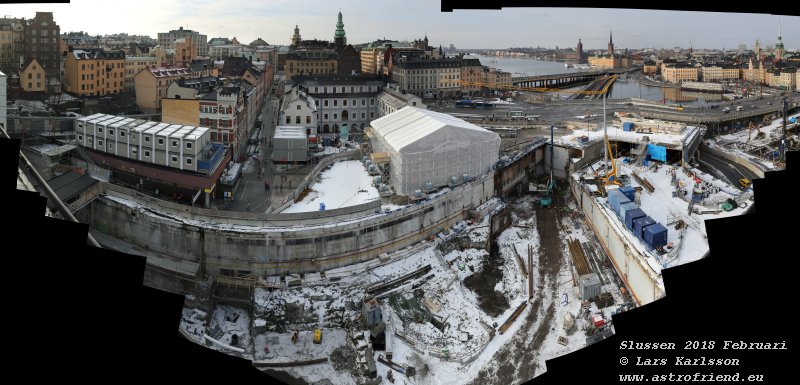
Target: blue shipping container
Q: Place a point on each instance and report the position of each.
(616, 198)
(628, 191)
(655, 235)
(624, 207)
(640, 224)
(627, 126)
(632, 215)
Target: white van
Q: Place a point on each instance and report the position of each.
(739, 108)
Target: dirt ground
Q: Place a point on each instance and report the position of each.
(517, 361)
(483, 282)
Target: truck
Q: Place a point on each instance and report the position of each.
(726, 110)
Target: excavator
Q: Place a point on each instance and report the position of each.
(611, 177)
(750, 127)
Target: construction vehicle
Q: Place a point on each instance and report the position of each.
(750, 128)
(318, 336)
(744, 182)
(294, 337)
(611, 177)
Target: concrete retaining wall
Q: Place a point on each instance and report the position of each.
(722, 154)
(642, 281)
(273, 244)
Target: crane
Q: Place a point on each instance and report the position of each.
(611, 177)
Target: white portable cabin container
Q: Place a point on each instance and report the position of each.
(148, 145)
(135, 140)
(124, 132)
(80, 125)
(177, 148)
(92, 134)
(103, 141)
(114, 137)
(166, 155)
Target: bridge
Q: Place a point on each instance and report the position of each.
(565, 79)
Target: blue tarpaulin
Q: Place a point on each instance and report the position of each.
(657, 152)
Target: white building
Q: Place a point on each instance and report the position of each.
(393, 99)
(425, 146)
(299, 109)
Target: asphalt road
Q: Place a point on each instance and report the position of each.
(732, 171)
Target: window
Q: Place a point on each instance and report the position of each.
(297, 119)
(100, 130)
(344, 102)
(298, 106)
(188, 144)
(111, 146)
(188, 160)
(288, 119)
(326, 102)
(308, 119)
(372, 102)
(352, 89)
(80, 137)
(111, 131)
(361, 89)
(147, 139)
(134, 150)
(414, 103)
(335, 102)
(355, 102)
(100, 142)
(342, 89)
(174, 159)
(160, 140)
(326, 117)
(363, 102)
(371, 115)
(335, 116)
(146, 153)
(30, 76)
(363, 115)
(325, 90)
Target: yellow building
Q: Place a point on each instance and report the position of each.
(717, 73)
(786, 79)
(94, 72)
(650, 67)
(678, 73)
(134, 64)
(494, 78)
(604, 62)
(151, 85)
(318, 61)
(471, 72)
(31, 77)
(180, 111)
(371, 60)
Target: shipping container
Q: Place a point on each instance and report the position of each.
(631, 216)
(627, 126)
(616, 198)
(640, 224)
(624, 207)
(589, 286)
(655, 235)
(628, 191)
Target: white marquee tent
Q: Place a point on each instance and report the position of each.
(427, 146)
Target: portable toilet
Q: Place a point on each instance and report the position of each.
(639, 225)
(655, 235)
(631, 216)
(321, 206)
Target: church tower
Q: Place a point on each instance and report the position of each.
(610, 44)
(296, 37)
(339, 37)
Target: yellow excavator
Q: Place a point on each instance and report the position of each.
(750, 128)
(611, 177)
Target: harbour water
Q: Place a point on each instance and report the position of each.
(622, 88)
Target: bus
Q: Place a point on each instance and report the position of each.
(516, 114)
(466, 103)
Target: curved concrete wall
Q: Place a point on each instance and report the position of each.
(271, 243)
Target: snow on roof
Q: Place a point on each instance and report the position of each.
(407, 126)
(290, 132)
(617, 133)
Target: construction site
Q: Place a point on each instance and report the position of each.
(439, 252)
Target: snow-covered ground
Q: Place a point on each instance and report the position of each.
(346, 183)
(617, 133)
(737, 143)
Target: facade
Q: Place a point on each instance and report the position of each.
(185, 52)
(494, 78)
(605, 62)
(32, 77)
(3, 99)
(299, 109)
(471, 72)
(134, 64)
(200, 42)
(676, 73)
(348, 62)
(152, 83)
(371, 60)
(9, 62)
(311, 62)
(343, 100)
(720, 73)
(429, 78)
(42, 42)
(391, 99)
(785, 79)
(94, 72)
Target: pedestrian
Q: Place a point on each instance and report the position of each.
(248, 206)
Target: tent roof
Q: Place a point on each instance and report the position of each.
(409, 125)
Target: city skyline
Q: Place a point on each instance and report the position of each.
(364, 22)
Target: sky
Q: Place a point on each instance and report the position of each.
(368, 20)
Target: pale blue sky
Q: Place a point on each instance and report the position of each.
(367, 20)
